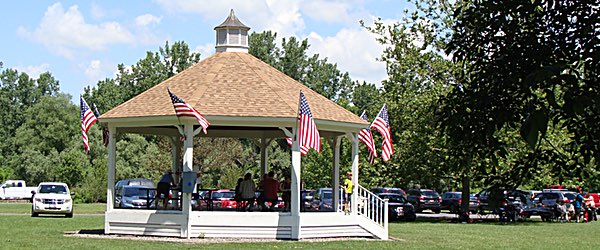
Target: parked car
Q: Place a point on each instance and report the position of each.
(379, 190)
(451, 201)
(135, 197)
(424, 199)
(307, 197)
(52, 198)
(223, 199)
(138, 182)
(399, 207)
(323, 200)
(549, 205)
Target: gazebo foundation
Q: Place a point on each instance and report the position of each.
(261, 225)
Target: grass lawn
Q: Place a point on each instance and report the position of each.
(23, 231)
(25, 208)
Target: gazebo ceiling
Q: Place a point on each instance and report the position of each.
(231, 89)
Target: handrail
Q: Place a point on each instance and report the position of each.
(372, 207)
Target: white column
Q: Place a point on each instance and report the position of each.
(354, 171)
(335, 145)
(264, 164)
(110, 179)
(296, 179)
(176, 160)
(188, 154)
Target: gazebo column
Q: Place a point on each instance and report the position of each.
(110, 179)
(335, 145)
(188, 154)
(176, 160)
(296, 179)
(354, 139)
(264, 155)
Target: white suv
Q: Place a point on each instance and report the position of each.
(52, 198)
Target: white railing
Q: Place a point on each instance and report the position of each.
(372, 207)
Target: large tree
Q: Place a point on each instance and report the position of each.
(528, 68)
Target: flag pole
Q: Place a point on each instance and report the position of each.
(297, 116)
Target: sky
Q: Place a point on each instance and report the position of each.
(82, 42)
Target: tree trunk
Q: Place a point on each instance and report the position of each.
(465, 197)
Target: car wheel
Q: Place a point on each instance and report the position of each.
(33, 214)
(453, 209)
(69, 215)
(437, 210)
(410, 216)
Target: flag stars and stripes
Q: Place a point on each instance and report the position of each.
(184, 109)
(382, 125)
(307, 132)
(87, 120)
(366, 137)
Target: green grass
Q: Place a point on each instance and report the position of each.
(47, 233)
(25, 208)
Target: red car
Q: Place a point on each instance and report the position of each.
(224, 198)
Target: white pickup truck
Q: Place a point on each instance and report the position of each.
(15, 189)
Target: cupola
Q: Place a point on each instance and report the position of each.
(232, 35)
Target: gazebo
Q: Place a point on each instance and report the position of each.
(242, 97)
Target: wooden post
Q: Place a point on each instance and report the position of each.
(188, 157)
(296, 179)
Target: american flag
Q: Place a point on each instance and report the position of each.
(87, 120)
(366, 137)
(307, 131)
(184, 109)
(382, 124)
(104, 129)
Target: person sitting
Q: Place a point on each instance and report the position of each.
(286, 196)
(162, 189)
(270, 189)
(247, 189)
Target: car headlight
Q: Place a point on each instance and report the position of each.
(38, 199)
(67, 200)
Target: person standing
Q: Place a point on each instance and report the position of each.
(348, 187)
(578, 204)
(162, 188)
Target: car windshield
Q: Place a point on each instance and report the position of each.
(570, 196)
(393, 198)
(327, 196)
(223, 195)
(137, 192)
(53, 189)
(430, 193)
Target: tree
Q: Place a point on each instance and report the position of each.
(147, 72)
(418, 75)
(529, 68)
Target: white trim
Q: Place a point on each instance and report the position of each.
(242, 121)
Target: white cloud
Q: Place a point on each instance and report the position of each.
(355, 51)
(328, 11)
(96, 70)
(34, 71)
(97, 11)
(281, 16)
(65, 32)
(147, 19)
(205, 50)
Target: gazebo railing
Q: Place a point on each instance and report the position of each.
(372, 207)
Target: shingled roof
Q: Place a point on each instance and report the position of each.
(232, 84)
(232, 22)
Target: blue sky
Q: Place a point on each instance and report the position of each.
(82, 42)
